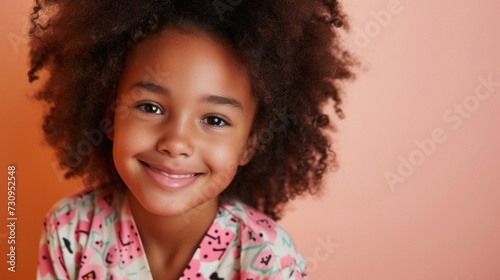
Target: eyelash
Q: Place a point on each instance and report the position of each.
(141, 107)
(226, 123)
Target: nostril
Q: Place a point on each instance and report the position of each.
(175, 147)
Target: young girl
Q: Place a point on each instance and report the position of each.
(192, 123)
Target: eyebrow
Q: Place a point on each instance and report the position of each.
(155, 88)
(213, 99)
(221, 100)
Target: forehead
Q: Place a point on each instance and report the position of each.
(190, 65)
(194, 54)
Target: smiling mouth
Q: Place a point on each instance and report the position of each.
(173, 176)
(169, 178)
(171, 173)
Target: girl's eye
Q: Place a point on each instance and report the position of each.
(214, 121)
(150, 108)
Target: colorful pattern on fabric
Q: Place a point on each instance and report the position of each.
(92, 235)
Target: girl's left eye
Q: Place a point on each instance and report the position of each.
(150, 108)
(215, 121)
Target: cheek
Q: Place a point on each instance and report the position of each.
(225, 150)
(223, 174)
(130, 139)
(222, 158)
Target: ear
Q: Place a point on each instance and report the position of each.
(249, 149)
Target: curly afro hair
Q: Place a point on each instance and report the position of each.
(293, 53)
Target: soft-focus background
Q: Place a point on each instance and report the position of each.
(417, 195)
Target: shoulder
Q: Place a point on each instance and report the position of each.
(83, 232)
(67, 213)
(267, 249)
(88, 199)
(255, 221)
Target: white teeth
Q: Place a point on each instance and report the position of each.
(174, 176)
(178, 176)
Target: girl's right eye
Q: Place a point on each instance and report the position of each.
(150, 108)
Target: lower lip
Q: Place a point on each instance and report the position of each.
(168, 183)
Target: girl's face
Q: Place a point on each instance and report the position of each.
(182, 121)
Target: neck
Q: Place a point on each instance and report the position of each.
(174, 238)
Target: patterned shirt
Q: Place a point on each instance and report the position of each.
(92, 235)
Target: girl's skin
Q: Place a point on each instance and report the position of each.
(193, 121)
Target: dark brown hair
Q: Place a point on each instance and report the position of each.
(293, 53)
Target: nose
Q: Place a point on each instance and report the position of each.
(175, 139)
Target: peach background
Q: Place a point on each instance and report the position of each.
(441, 223)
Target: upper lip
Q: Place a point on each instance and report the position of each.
(168, 170)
